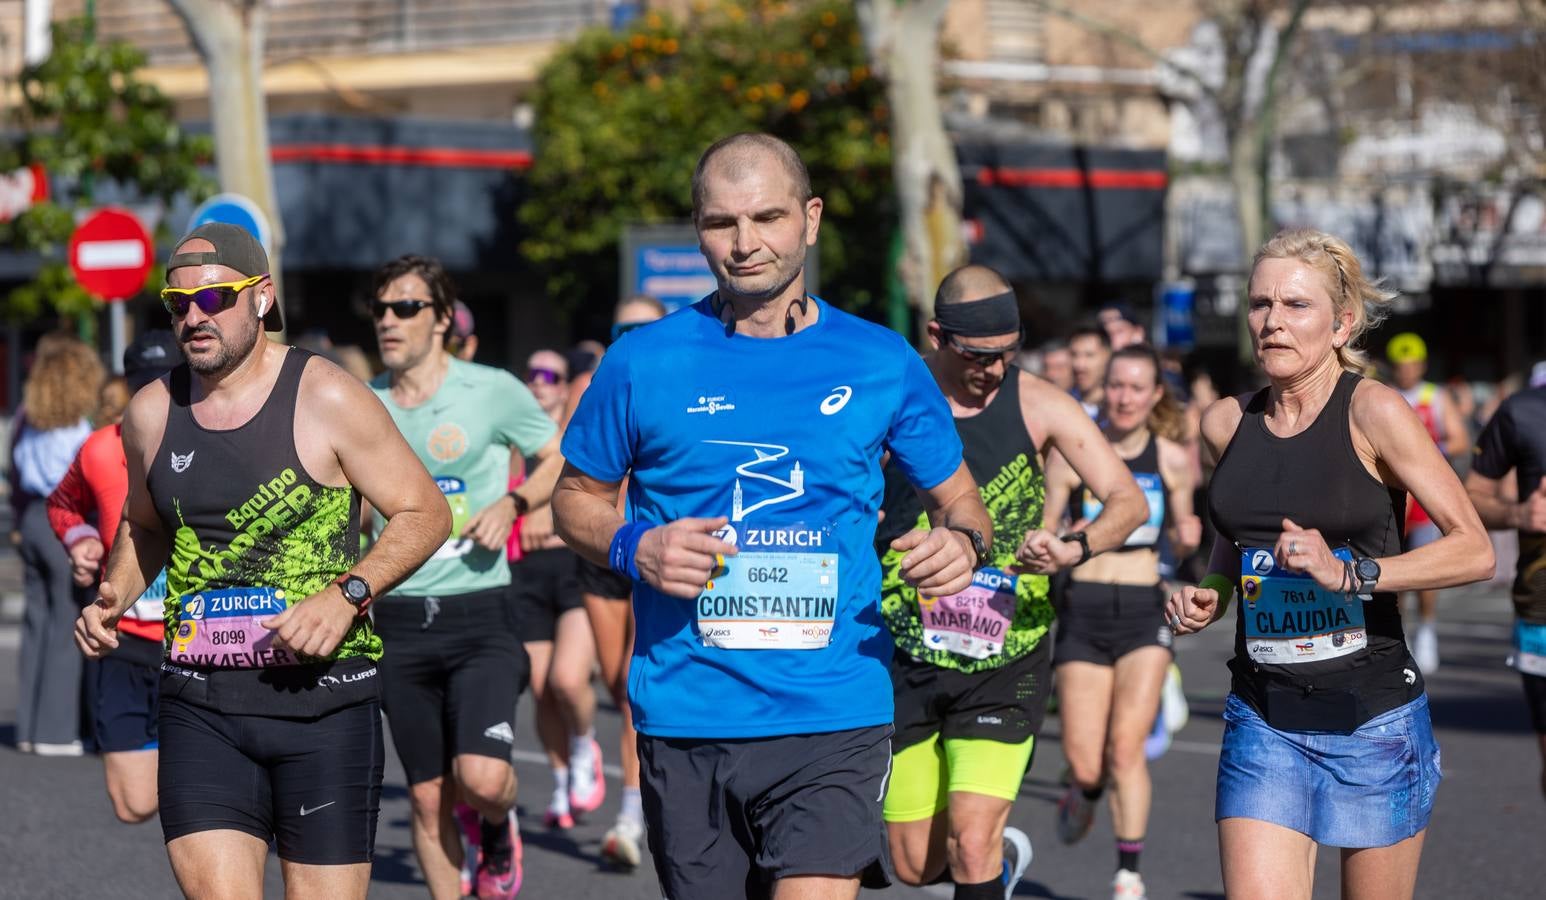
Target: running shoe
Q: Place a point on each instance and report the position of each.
(587, 784)
(1017, 858)
(1173, 701)
(499, 862)
(558, 818)
(620, 849)
(73, 748)
(1127, 886)
(467, 821)
(1076, 813)
(1425, 648)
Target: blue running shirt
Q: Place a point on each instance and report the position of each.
(784, 437)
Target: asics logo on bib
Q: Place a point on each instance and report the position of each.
(181, 463)
(836, 400)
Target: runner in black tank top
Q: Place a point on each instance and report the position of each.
(1328, 739)
(243, 467)
(1113, 646)
(971, 670)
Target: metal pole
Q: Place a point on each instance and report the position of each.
(115, 324)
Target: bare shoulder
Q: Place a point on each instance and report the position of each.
(1175, 459)
(1221, 419)
(1378, 406)
(144, 419)
(1044, 401)
(328, 391)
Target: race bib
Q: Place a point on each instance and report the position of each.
(974, 622)
(1291, 619)
(148, 607)
(219, 629)
(1530, 648)
(455, 491)
(1148, 533)
(778, 593)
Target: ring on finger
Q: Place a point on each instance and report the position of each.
(1293, 547)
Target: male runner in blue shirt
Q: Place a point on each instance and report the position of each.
(752, 426)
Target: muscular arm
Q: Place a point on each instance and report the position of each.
(956, 503)
(1407, 458)
(537, 489)
(1185, 528)
(585, 513)
(1456, 437)
(1497, 511)
(141, 547)
(1062, 481)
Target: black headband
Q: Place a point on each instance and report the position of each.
(998, 314)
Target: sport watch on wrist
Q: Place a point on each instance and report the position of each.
(1368, 574)
(1084, 545)
(521, 504)
(979, 545)
(357, 591)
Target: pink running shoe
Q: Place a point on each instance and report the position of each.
(499, 862)
(560, 819)
(587, 786)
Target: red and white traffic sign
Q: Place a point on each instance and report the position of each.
(110, 254)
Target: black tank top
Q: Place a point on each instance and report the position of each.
(1146, 471)
(1316, 479)
(252, 533)
(1002, 457)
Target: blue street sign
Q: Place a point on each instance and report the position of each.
(234, 209)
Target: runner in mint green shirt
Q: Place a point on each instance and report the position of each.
(457, 664)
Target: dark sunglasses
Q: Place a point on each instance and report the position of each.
(209, 298)
(403, 309)
(543, 376)
(621, 328)
(981, 356)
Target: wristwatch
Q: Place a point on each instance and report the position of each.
(357, 591)
(1367, 572)
(978, 544)
(521, 504)
(1084, 545)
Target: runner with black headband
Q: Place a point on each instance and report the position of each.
(971, 673)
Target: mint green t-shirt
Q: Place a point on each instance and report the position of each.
(464, 435)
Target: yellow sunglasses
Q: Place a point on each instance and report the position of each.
(209, 298)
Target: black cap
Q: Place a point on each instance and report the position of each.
(152, 355)
(235, 248)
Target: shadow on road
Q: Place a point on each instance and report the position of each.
(1037, 889)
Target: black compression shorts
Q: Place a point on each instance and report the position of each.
(312, 785)
(451, 674)
(1101, 623)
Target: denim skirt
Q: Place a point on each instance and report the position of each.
(1371, 788)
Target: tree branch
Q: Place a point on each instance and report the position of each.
(1108, 30)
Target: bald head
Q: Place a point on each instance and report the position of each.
(740, 154)
(970, 283)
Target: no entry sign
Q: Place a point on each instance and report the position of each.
(110, 254)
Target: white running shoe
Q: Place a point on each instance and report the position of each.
(1017, 858)
(622, 846)
(73, 748)
(1173, 701)
(1425, 648)
(1127, 886)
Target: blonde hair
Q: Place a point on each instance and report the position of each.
(1366, 299)
(63, 386)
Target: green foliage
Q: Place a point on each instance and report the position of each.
(86, 118)
(622, 117)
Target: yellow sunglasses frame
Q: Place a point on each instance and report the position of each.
(167, 293)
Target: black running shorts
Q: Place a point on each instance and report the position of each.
(1006, 704)
(543, 586)
(450, 675)
(599, 581)
(313, 786)
(128, 683)
(1101, 623)
(728, 818)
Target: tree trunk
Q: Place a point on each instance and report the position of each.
(229, 35)
(903, 39)
(1245, 176)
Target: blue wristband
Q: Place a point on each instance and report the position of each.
(625, 543)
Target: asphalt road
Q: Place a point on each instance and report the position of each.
(58, 837)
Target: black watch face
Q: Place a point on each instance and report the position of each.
(356, 589)
(1368, 569)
